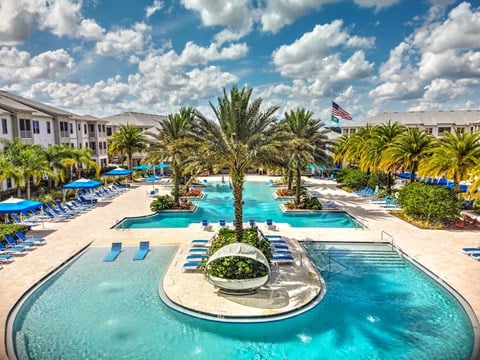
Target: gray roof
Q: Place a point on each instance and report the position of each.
(421, 118)
(50, 110)
(134, 118)
(11, 105)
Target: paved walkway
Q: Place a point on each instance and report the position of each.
(439, 251)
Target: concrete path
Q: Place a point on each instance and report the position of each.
(439, 251)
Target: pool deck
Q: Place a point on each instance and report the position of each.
(437, 250)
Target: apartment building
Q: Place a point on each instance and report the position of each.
(435, 122)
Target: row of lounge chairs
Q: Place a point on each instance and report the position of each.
(473, 252)
(19, 245)
(116, 249)
(207, 226)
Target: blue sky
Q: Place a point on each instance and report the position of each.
(103, 57)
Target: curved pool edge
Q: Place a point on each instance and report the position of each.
(221, 316)
(8, 340)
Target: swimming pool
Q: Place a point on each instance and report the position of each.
(259, 205)
(374, 308)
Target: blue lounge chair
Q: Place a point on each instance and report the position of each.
(12, 250)
(22, 238)
(115, 250)
(55, 217)
(22, 222)
(222, 223)
(206, 225)
(196, 257)
(192, 266)
(142, 251)
(471, 250)
(11, 241)
(5, 258)
(198, 250)
(282, 259)
(476, 256)
(271, 225)
(200, 242)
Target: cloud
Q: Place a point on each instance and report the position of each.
(193, 54)
(152, 9)
(311, 55)
(16, 65)
(377, 4)
(124, 41)
(18, 20)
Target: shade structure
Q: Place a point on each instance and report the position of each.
(310, 167)
(15, 205)
(82, 184)
(118, 172)
(161, 166)
(141, 167)
(153, 178)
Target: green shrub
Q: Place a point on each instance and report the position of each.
(163, 202)
(354, 178)
(236, 267)
(433, 204)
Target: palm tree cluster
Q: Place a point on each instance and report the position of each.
(26, 164)
(393, 147)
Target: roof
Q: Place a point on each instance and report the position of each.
(135, 118)
(88, 118)
(10, 105)
(421, 118)
(50, 110)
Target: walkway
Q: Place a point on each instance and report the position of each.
(440, 251)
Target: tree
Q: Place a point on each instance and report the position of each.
(455, 156)
(126, 141)
(170, 142)
(80, 159)
(307, 143)
(242, 137)
(407, 151)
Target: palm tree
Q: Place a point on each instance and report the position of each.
(407, 151)
(56, 155)
(242, 137)
(307, 143)
(455, 156)
(170, 142)
(350, 148)
(126, 141)
(79, 159)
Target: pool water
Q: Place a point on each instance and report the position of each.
(259, 205)
(373, 309)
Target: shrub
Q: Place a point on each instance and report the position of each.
(284, 192)
(236, 267)
(163, 202)
(433, 204)
(353, 178)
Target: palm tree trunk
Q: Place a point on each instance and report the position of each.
(176, 185)
(297, 180)
(237, 184)
(289, 179)
(27, 188)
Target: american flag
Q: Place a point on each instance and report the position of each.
(339, 112)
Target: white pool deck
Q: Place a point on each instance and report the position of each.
(437, 250)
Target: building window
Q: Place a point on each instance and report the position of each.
(429, 130)
(36, 126)
(25, 129)
(4, 126)
(109, 131)
(79, 127)
(49, 128)
(91, 128)
(461, 130)
(441, 130)
(64, 129)
(99, 128)
(8, 183)
(71, 128)
(100, 146)
(93, 146)
(85, 129)
(103, 129)
(105, 145)
(80, 145)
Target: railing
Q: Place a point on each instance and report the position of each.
(395, 248)
(25, 134)
(330, 258)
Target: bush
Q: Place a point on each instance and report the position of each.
(353, 178)
(236, 267)
(433, 204)
(163, 202)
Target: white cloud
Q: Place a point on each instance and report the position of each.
(124, 41)
(193, 54)
(450, 64)
(152, 9)
(377, 4)
(16, 65)
(17, 20)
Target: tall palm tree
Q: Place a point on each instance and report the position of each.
(170, 142)
(243, 136)
(126, 141)
(350, 148)
(56, 155)
(79, 159)
(455, 156)
(407, 151)
(307, 142)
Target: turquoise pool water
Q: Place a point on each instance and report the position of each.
(375, 309)
(259, 205)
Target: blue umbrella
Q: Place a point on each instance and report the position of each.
(141, 167)
(310, 167)
(83, 184)
(14, 205)
(118, 172)
(161, 166)
(406, 175)
(152, 178)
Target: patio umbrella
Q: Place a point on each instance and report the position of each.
(161, 167)
(81, 184)
(15, 205)
(141, 167)
(152, 179)
(118, 172)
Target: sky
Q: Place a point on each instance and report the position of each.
(104, 57)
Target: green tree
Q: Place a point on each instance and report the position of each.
(242, 137)
(126, 141)
(307, 143)
(170, 142)
(455, 156)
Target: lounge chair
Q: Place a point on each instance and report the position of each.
(5, 258)
(222, 223)
(197, 250)
(251, 223)
(22, 222)
(471, 250)
(192, 266)
(36, 240)
(282, 259)
(196, 257)
(115, 250)
(12, 250)
(142, 251)
(476, 256)
(271, 225)
(206, 225)
(55, 217)
(200, 242)
(11, 241)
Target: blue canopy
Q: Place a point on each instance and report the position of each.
(153, 178)
(161, 166)
(406, 175)
(310, 167)
(14, 205)
(82, 184)
(119, 172)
